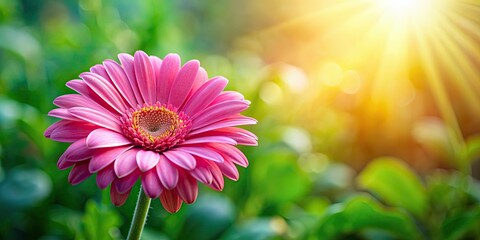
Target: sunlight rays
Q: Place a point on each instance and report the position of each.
(394, 43)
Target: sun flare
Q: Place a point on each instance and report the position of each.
(404, 8)
(407, 51)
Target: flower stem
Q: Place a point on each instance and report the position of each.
(139, 217)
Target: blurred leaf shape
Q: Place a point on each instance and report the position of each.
(100, 222)
(298, 139)
(19, 42)
(335, 179)
(283, 180)
(433, 134)
(151, 234)
(23, 188)
(13, 111)
(258, 229)
(458, 226)
(2, 174)
(66, 220)
(473, 148)
(362, 213)
(208, 218)
(449, 190)
(395, 183)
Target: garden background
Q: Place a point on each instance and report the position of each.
(368, 110)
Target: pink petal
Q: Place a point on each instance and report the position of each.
(228, 96)
(202, 173)
(181, 159)
(145, 76)
(210, 139)
(168, 72)
(171, 201)
(62, 113)
(202, 152)
(71, 100)
(228, 122)
(117, 198)
(218, 181)
(98, 118)
(103, 157)
(63, 163)
(187, 188)
(183, 83)
(76, 100)
(202, 78)
(204, 95)
(78, 151)
(217, 112)
(241, 136)
(151, 184)
(128, 66)
(104, 90)
(231, 152)
(167, 173)
(120, 81)
(126, 162)
(81, 87)
(147, 160)
(125, 184)
(52, 127)
(105, 177)
(157, 65)
(240, 131)
(70, 131)
(102, 138)
(229, 169)
(79, 173)
(99, 69)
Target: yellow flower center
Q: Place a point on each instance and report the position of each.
(155, 122)
(156, 127)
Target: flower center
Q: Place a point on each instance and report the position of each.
(155, 122)
(156, 127)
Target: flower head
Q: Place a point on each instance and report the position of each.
(151, 119)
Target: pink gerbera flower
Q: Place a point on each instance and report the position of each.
(154, 120)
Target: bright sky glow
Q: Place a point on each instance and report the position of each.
(395, 45)
(403, 7)
(405, 11)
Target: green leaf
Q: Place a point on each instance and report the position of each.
(23, 188)
(449, 190)
(395, 183)
(362, 213)
(101, 222)
(435, 136)
(208, 218)
(458, 226)
(258, 229)
(67, 221)
(282, 179)
(19, 42)
(473, 148)
(151, 234)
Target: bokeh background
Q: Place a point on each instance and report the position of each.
(368, 110)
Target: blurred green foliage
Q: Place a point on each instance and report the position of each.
(304, 181)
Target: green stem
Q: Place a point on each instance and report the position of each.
(139, 217)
